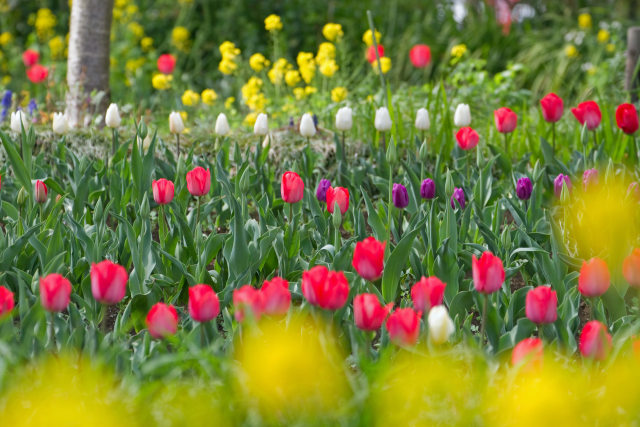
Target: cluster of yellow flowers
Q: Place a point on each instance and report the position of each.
(385, 62)
(180, 38)
(332, 32)
(5, 38)
(278, 71)
(458, 50)
(302, 92)
(229, 52)
(325, 59)
(339, 94)
(45, 22)
(584, 21)
(191, 98)
(124, 10)
(258, 62)
(252, 94)
(272, 23)
(306, 65)
(57, 47)
(161, 81)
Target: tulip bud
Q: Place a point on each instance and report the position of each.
(368, 313)
(422, 119)
(55, 291)
(403, 326)
(505, 119)
(487, 272)
(427, 293)
(338, 196)
(162, 320)
(176, 125)
(325, 289)
(392, 154)
(594, 279)
(6, 301)
(143, 131)
(552, 107)
(368, 258)
(440, 324)
(22, 196)
(199, 181)
(399, 196)
(276, 297)
(560, 182)
(428, 189)
(292, 187)
(631, 268)
(589, 178)
(595, 341)
(40, 192)
(19, 120)
(336, 218)
(528, 351)
(108, 282)
(307, 127)
(163, 191)
(203, 303)
(60, 124)
(458, 196)
(247, 298)
(222, 125)
(383, 120)
(344, 120)
(524, 188)
(112, 117)
(261, 127)
(467, 138)
(588, 113)
(462, 116)
(541, 305)
(321, 191)
(627, 118)
(424, 152)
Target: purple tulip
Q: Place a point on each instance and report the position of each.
(524, 187)
(428, 189)
(321, 192)
(589, 178)
(400, 196)
(557, 184)
(458, 196)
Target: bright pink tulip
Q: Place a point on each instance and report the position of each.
(292, 187)
(162, 320)
(467, 138)
(631, 268)
(166, 63)
(162, 191)
(420, 55)
(276, 297)
(6, 301)
(594, 278)
(247, 298)
(627, 118)
(588, 112)
(325, 289)
(199, 181)
(529, 351)
(30, 58)
(552, 107)
(427, 293)
(403, 326)
(595, 340)
(541, 305)
(368, 313)
(371, 53)
(340, 196)
(203, 303)
(506, 120)
(368, 258)
(108, 282)
(41, 192)
(38, 73)
(488, 273)
(55, 292)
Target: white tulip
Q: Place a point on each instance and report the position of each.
(462, 117)
(222, 125)
(344, 119)
(60, 123)
(176, 125)
(422, 119)
(18, 121)
(262, 125)
(383, 120)
(112, 118)
(307, 127)
(440, 324)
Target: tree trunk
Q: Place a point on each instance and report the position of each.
(88, 59)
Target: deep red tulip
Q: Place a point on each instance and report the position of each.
(276, 297)
(41, 192)
(552, 107)
(292, 187)
(162, 320)
(627, 118)
(467, 138)
(6, 301)
(506, 120)
(108, 282)
(420, 55)
(588, 112)
(368, 258)
(595, 340)
(368, 313)
(371, 53)
(166, 63)
(325, 289)
(30, 58)
(488, 273)
(542, 305)
(594, 278)
(427, 293)
(162, 191)
(247, 298)
(55, 292)
(199, 181)
(340, 196)
(38, 73)
(631, 268)
(529, 351)
(203, 303)
(403, 326)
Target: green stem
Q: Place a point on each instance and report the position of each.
(484, 318)
(162, 226)
(336, 237)
(553, 136)
(390, 217)
(178, 143)
(506, 144)
(52, 333)
(203, 336)
(114, 141)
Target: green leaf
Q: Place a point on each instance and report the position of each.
(396, 263)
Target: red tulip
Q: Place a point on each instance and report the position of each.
(30, 58)
(163, 191)
(588, 112)
(506, 120)
(631, 268)
(627, 118)
(41, 192)
(427, 293)
(595, 340)
(371, 53)
(420, 55)
(488, 273)
(368, 313)
(55, 291)
(276, 297)
(529, 350)
(325, 289)
(404, 326)
(594, 278)
(340, 196)
(368, 258)
(203, 303)
(467, 138)
(6, 301)
(292, 187)
(247, 297)
(38, 73)
(199, 181)
(552, 107)
(542, 305)
(166, 63)
(108, 282)
(162, 320)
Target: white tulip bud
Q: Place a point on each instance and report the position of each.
(262, 125)
(222, 125)
(307, 127)
(344, 119)
(176, 125)
(112, 118)
(383, 120)
(440, 324)
(422, 119)
(18, 121)
(60, 123)
(462, 117)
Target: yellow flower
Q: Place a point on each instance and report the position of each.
(161, 81)
(209, 96)
(146, 43)
(584, 21)
(5, 38)
(45, 22)
(56, 46)
(306, 65)
(227, 66)
(603, 35)
(250, 119)
(611, 47)
(132, 9)
(326, 51)
(133, 65)
(338, 94)
(6, 80)
(272, 23)
(228, 103)
(328, 68)
(309, 90)
(332, 31)
(292, 77)
(299, 93)
(228, 50)
(190, 98)
(458, 50)
(184, 116)
(385, 63)
(136, 29)
(258, 62)
(277, 71)
(571, 51)
(368, 39)
(180, 38)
